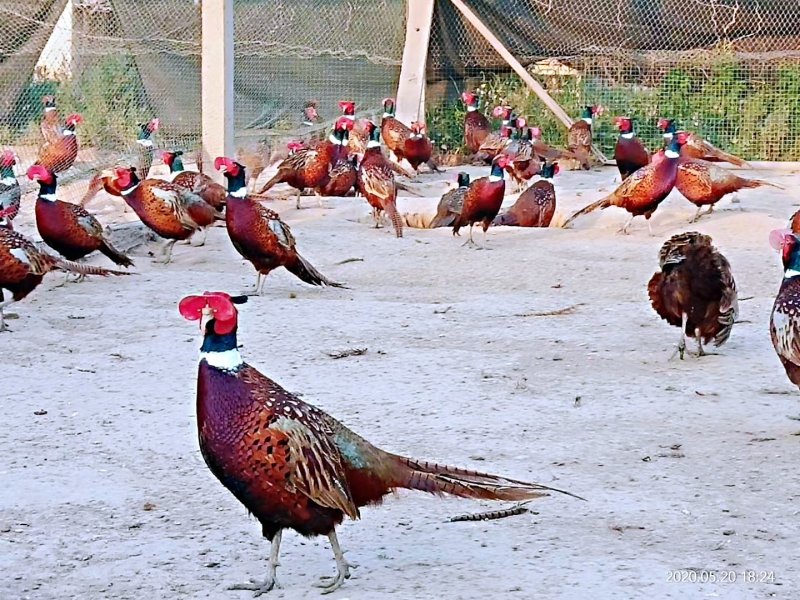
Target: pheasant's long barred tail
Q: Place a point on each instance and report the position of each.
(308, 273)
(81, 269)
(444, 479)
(519, 509)
(602, 203)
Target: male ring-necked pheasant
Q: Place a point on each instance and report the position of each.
(68, 228)
(292, 465)
(23, 266)
(784, 322)
(644, 190)
(258, 233)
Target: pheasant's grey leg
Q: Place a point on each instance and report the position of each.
(469, 242)
(298, 198)
(649, 228)
(682, 341)
(262, 587)
(624, 230)
(700, 351)
(202, 241)
(256, 290)
(167, 250)
(342, 567)
(3, 326)
(697, 215)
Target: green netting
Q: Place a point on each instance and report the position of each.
(727, 68)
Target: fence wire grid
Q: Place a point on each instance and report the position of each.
(729, 69)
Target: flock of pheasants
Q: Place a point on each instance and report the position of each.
(292, 465)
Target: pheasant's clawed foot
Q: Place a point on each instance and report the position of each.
(257, 587)
(331, 584)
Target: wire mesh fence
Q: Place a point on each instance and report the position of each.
(729, 69)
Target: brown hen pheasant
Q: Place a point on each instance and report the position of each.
(292, 465)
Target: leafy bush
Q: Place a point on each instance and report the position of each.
(752, 114)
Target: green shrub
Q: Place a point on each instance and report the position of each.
(750, 113)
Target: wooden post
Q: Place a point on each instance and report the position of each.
(410, 105)
(537, 88)
(217, 83)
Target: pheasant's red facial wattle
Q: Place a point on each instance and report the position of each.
(344, 123)
(74, 119)
(211, 305)
(8, 158)
(226, 165)
(123, 178)
(40, 173)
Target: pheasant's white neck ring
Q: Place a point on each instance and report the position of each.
(48, 197)
(587, 120)
(240, 193)
(68, 132)
(373, 144)
(129, 190)
(668, 136)
(333, 140)
(472, 108)
(495, 178)
(49, 108)
(349, 117)
(146, 143)
(228, 360)
(671, 154)
(386, 115)
(8, 180)
(627, 136)
(790, 273)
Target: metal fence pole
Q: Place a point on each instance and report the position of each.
(411, 88)
(217, 82)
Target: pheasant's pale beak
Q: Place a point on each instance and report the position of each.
(206, 315)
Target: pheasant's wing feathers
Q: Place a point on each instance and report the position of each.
(23, 253)
(638, 180)
(175, 199)
(785, 324)
(379, 182)
(696, 174)
(87, 221)
(315, 465)
(729, 302)
(276, 226)
(299, 160)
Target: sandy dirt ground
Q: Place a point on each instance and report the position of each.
(686, 465)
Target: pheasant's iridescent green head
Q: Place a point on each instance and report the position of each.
(463, 179)
(788, 244)
(148, 129)
(388, 107)
(549, 170)
(173, 160)
(374, 135)
(234, 173)
(7, 161)
(624, 124)
(667, 127)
